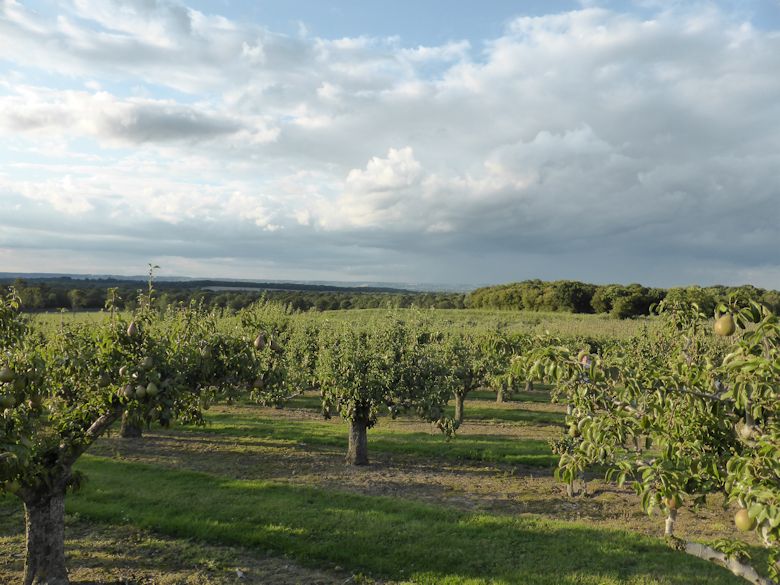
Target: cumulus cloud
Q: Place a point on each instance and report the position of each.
(592, 144)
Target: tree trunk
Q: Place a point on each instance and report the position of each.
(45, 523)
(529, 386)
(500, 394)
(130, 428)
(459, 408)
(357, 454)
(671, 519)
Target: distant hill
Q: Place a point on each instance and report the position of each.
(47, 292)
(106, 280)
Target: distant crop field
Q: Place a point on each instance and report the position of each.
(533, 322)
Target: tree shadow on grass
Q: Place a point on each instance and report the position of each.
(488, 448)
(385, 537)
(103, 554)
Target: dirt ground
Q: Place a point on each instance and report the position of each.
(122, 555)
(96, 553)
(494, 488)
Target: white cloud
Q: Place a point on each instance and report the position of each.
(642, 138)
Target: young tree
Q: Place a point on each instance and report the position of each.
(474, 360)
(502, 378)
(391, 364)
(61, 391)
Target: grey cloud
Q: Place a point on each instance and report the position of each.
(589, 144)
(105, 117)
(161, 124)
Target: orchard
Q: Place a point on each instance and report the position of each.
(679, 412)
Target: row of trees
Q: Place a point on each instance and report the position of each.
(621, 301)
(89, 295)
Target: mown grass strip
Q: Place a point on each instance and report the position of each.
(479, 412)
(487, 448)
(385, 537)
(312, 402)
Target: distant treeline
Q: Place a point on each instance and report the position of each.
(618, 300)
(91, 294)
(621, 301)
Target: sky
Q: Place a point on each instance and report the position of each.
(428, 141)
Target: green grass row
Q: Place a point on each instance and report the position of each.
(306, 433)
(475, 410)
(383, 537)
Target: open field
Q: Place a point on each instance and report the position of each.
(266, 492)
(533, 322)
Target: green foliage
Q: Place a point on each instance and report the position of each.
(472, 358)
(267, 328)
(620, 301)
(64, 388)
(392, 364)
(79, 294)
(680, 413)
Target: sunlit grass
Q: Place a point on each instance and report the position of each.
(489, 448)
(384, 537)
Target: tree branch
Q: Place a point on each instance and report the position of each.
(714, 397)
(711, 555)
(71, 453)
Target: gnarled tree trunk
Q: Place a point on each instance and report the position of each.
(357, 453)
(45, 524)
(44, 507)
(130, 428)
(500, 394)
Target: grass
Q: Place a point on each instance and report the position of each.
(541, 396)
(476, 410)
(489, 448)
(385, 537)
(473, 412)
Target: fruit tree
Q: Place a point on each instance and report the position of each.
(60, 391)
(707, 410)
(391, 364)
